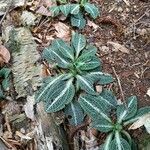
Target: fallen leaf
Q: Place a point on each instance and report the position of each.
(48, 3)
(147, 124)
(29, 107)
(92, 24)
(22, 136)
(143, 120)
(118, 47)
(43, 11)
(148, 92)
(99, 88)
(62, 31)
(43, 7)
(4, 54)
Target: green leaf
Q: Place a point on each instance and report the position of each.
(85, 84)
(107, 145)
(1, 93)
(54, 10)
(64, 97)
(124, 113)
(64, 48)
(6, 83)
(88, 60)
(102, 125)
(109, 98)
(65, 9)
(142, 111)
(82, 2)
(4, 74)
(92, 10)
(102, 78)
(75, 8)
(88, 63)
(74, 111)
(45, 89)
(119, 143)
(92, 106)
(53, 55)
(78, 20)
(78, 42)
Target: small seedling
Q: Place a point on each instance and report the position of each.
(76, 11)
(78, 70)
(99, 108)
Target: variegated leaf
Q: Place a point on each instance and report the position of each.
(75, 8)
(126, 112)
(141, 112)
(74, 111)
(102, 124)
(53, 55)
(102, 78)
(54, 10)
(83, 2)
(64, 97)
(65, 9)
(107, 144)
(78, 20)
(64, 48)
(119, 143)
(88, 63)
(78, 42)
(93, 107)
(110, 99)
(44, 90)
(92, 10)
(85, 84)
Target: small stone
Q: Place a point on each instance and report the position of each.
(120, 9)
(137, 59)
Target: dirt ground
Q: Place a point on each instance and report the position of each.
(128, 26)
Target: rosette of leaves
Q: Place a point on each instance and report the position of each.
(118, 138)
(78, 70)
(76, 11)
(5, 81)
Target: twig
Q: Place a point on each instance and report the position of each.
(119, 84)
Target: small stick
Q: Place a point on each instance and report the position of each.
(119, 84)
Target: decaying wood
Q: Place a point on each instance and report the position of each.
(26, 71)
(49, 135)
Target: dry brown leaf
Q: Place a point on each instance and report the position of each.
(4, 54)
(99, 88)
(148, 92)
(43, 7)
(43, 11)
(118, 47)
(140, 122)
(22, 136)
(62, 31)
(92, 24)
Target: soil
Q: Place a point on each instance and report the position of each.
(129, 26)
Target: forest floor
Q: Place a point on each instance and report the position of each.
(122, 36)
